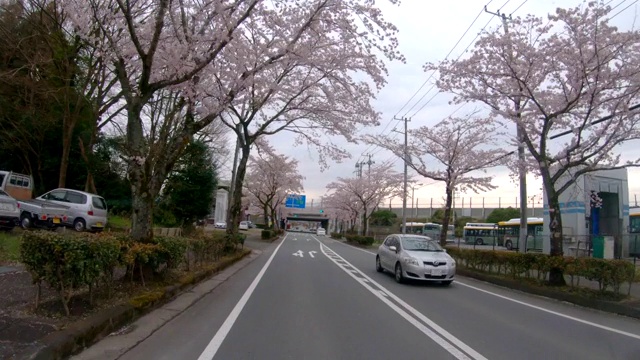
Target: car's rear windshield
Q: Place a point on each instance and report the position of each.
(99, 203)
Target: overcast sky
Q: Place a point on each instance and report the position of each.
(428, 31)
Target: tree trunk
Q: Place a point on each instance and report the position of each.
(236, 203)
(265, 216)
(556, 274)
(142, 212)
(142, 199)
(365, 228)
(67, 134)
(276, 225)
(85, 151)
(447, 216)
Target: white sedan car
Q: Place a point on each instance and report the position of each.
(244, 225)
(417, 257)
(321, 232)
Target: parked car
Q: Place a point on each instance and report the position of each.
(87, 211)
(418, 257)
(220, 225)
(244, 225)
(9, 212)
(321, 232)
(251, 225)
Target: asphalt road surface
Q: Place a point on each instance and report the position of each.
(309, 297)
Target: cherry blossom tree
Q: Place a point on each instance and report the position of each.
(366, 192)
(461, 147)
(313, 96)
(208, 53)
(343, 207)
(270, 178)
(573, 74)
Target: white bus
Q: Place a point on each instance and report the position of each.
(434, 230)
(481, 233)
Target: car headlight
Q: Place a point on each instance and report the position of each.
(411, 261)
(453, 263)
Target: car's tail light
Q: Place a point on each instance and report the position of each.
(18, 205)
(90, 212)
(43, 217)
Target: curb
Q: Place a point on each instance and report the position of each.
(81, 334)
(597, 304)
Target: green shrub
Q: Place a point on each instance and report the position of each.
(335, 235)
(608, 273)
(265, 234)
(69, 262)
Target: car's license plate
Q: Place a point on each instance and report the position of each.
(56, 220)
(98, 224)
(4, 206)
(436, 272)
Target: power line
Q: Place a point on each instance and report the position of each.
(369, 148)
(459, 56)
(618, 13)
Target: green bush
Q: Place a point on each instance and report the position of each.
(335, 235)
(359, 239)
(265, 234)
(69, 262)
(608, 273)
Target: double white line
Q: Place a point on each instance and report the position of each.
(439, 335)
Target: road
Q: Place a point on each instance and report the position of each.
(309, 297)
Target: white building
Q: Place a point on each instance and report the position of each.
(575, 207)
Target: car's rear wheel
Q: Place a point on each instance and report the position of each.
(79, 225)
(378, 265)
(398, 273)
(25, 221)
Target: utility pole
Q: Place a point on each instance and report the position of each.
(359, 166)
(368, 164)
(522, 171)
(404, 192)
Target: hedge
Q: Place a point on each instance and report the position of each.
(359, 239)
(69, 262)
(608, 273)
(335, 235)
(270, 234)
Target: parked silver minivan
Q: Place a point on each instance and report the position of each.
(86, 211)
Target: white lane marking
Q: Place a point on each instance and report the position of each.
(632, 335)
(380, 295)
(311, 253)
(447, 345)
(298, 253)
(213, 346)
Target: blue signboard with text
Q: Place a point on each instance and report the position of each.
(295, 201)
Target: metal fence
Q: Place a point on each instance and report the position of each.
(624, 246)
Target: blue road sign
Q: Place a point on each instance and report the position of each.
(295, 201)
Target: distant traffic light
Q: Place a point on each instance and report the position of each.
(321, 211)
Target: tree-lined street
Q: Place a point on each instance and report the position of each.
(317, 298)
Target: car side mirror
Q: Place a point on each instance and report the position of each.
(393, 248)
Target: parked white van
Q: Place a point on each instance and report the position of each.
(86, 211)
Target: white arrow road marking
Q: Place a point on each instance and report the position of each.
(311, 253)
(298, 253)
